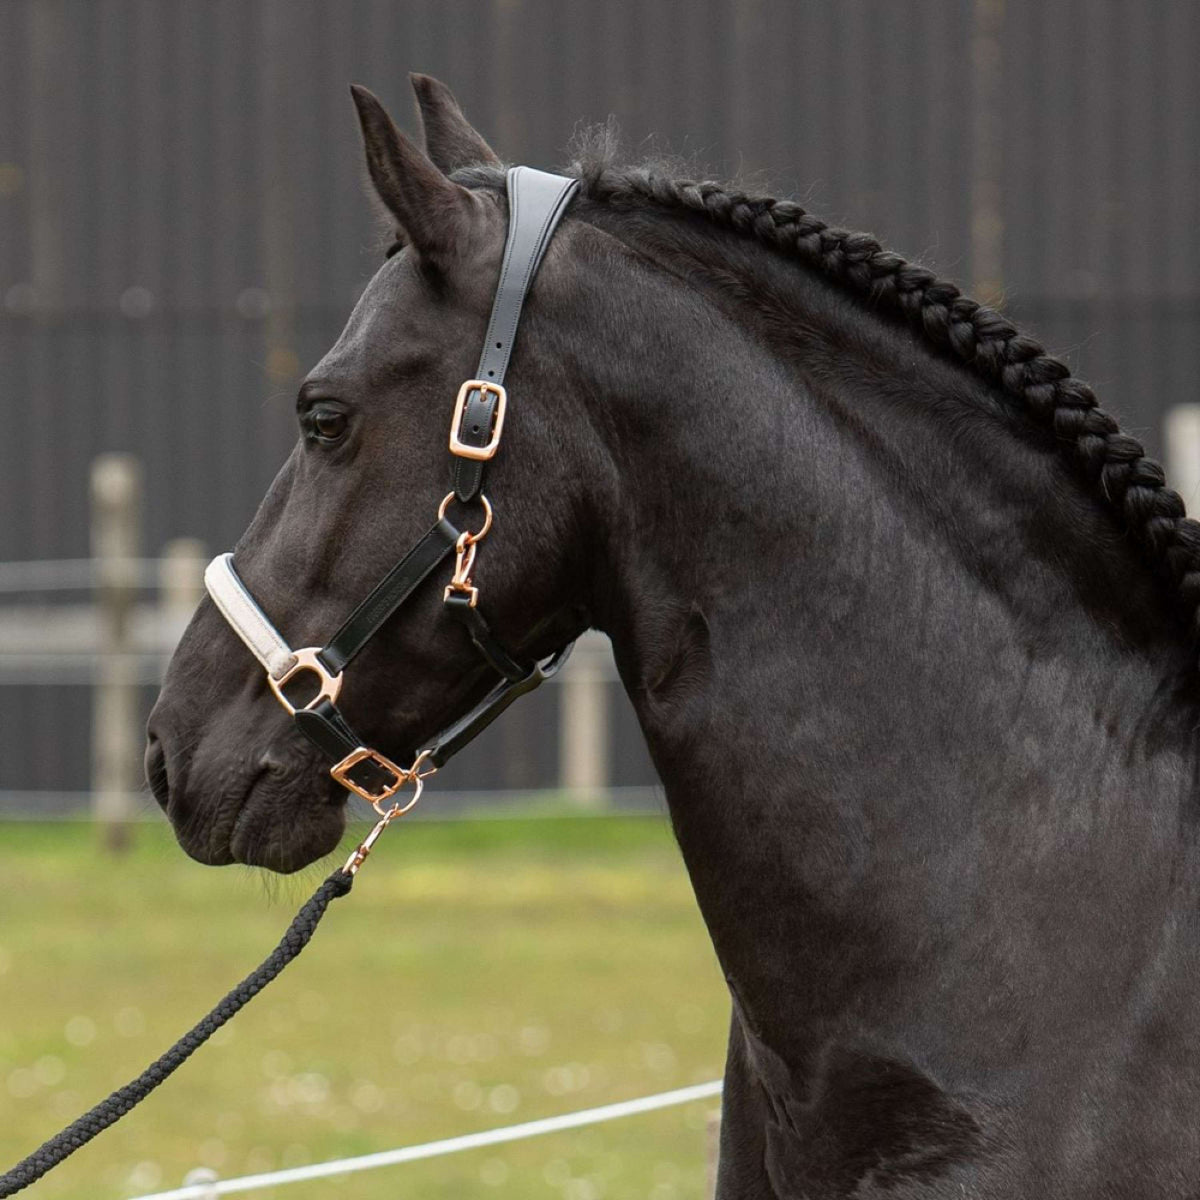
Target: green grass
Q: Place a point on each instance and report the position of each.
(481, 973)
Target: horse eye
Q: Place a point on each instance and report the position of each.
(328, 424)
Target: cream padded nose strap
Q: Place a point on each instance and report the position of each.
(249, 623)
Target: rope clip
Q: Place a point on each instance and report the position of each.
(416, 777)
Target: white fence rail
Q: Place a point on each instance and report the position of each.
(210, 1189)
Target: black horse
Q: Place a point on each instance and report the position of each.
(903, 614)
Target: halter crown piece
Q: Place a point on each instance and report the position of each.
(536, 204)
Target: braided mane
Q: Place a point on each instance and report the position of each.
(1111, 461)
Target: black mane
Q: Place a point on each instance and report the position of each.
(1113, 463)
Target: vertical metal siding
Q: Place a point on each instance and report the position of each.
(207, 153)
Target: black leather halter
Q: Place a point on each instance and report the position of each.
(536, 204)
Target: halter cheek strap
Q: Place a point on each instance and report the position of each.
(537, 202)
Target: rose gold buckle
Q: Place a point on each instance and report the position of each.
(457, 445)
(340, 772)
(308, 659)
(413, 775)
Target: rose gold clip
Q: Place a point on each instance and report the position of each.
(464, 561)
(464, 549)
(413, 775)
(359, 856)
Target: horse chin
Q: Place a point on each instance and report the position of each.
(277, 824)
(275, 830)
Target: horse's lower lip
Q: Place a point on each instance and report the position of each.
(265, 835)
(244, 812)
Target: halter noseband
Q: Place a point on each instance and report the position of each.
(536, 203)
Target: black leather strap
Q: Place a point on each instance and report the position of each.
(327, 729)
(459, 606)
(453, 738)
(391, 591)
(536, 204)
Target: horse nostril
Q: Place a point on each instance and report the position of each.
(156, 771)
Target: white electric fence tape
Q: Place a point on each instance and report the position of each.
(249, 622)
(470, 1141)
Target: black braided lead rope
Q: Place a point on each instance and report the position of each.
(109, 1111)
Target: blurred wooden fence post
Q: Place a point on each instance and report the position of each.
(583, 701)
(116, 733)
(1183, 453)
(712, 1131)
(181, 584)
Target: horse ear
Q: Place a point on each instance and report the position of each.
(433, 213)
(450, 139)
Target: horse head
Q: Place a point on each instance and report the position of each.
(363, 481)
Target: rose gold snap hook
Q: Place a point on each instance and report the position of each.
(413, 775)
(464, 561)
(365, 847)
(487, 516)
(460, 584)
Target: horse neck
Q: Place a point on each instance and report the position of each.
(873, 628)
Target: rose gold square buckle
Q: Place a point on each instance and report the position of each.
(308, 659)
(457, 445)
(341, 772)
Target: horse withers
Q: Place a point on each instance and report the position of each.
(904, 617)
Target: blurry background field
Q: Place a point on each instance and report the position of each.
(482, 972)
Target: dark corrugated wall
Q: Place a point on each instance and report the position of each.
(183, 231)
